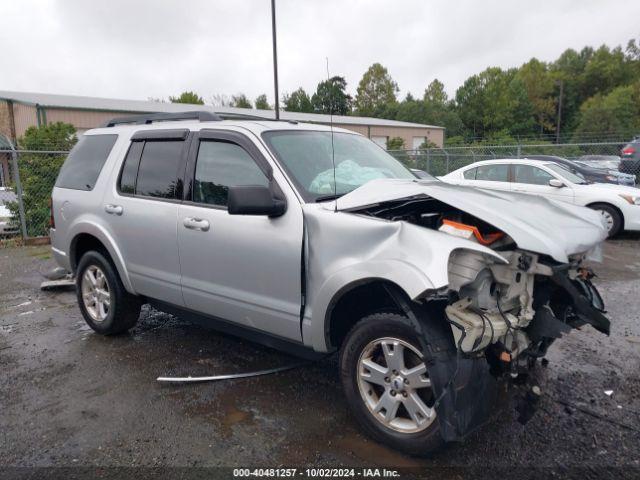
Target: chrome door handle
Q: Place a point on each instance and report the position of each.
(113, 209)
(196, 224)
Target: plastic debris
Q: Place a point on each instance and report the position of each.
(608, 393)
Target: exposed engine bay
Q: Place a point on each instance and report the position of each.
(507, 311)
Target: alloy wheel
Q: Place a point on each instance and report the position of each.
(395, 386)
(95, 293)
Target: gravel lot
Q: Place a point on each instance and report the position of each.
(69, 397)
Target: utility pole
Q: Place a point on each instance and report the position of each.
(559, 112)
(275, 57)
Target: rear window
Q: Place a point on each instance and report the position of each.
(85, 161)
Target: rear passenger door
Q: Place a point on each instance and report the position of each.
(142, 208)
(241, 268)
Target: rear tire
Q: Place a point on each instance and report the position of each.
(105, 304)
(612, 217)
(414, 428)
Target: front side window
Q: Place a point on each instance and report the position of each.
(221, 165)
(158, 170)
(309, 159)
(566, 174)
(531, 175)
(84, 163)
(493, 173)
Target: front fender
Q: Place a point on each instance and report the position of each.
(346, 249)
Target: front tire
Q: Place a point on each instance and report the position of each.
(611, 216)
(105, 304)
(386, 382)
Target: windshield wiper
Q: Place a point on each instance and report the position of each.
(323, 198)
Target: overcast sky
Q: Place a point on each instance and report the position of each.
(138, 49)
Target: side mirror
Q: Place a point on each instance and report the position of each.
(254, 200)
(554, 182)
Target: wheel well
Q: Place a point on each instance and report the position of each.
(356, 301)
(595, 204)
(83, 243)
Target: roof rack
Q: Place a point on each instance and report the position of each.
(244, 116)
(146, 119)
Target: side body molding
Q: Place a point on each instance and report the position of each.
(346, 249)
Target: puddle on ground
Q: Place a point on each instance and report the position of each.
(224, 412)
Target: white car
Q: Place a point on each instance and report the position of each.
(618, 204)
(7, 226)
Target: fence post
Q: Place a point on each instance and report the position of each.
(16, 178)
(519, 150)
(429, 160)
(446, 155)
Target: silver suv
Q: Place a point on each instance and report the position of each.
(315, 241)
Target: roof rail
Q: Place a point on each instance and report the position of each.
(147, 119)
(244, 116)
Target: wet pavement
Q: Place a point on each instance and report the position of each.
(69, 397)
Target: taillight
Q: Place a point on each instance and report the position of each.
(52, 220)
(628, 151)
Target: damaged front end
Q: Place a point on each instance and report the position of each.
(503, 313)
(503, 317)
(515, 310)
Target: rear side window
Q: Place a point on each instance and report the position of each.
(221, 165)
(470, 174)
(493, 173)
(151, 169)
(83, 165)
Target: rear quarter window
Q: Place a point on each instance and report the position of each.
(82, 167)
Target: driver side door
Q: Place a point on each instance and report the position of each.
(535, 180)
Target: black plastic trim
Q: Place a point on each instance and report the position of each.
(147, 119)
(174, 134)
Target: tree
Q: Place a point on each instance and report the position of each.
(435, 94)
(539, 85)
(617, 113)
(298, 101)
(187, 97)
(261, 103)
(395, 143)
(492, 101)
(240, 101)
(375, 92)
(427, 144)
(38, 172)
(331, 97)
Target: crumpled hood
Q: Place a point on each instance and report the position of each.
(536, 224)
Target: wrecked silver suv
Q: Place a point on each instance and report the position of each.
(314, 241)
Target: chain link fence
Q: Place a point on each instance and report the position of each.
(27, 176)
(26, 183)
(440, 161)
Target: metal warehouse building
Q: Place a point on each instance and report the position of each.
(20, 110)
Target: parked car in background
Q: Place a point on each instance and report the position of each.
(619, 205)
(589, 173)
(8, 227)
(630, 157)
(603, 162)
